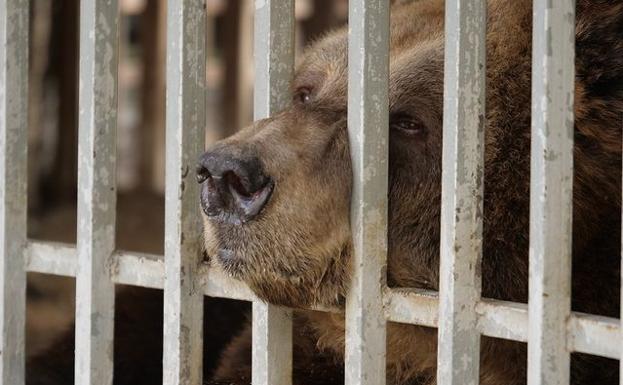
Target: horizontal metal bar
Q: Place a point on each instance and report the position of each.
(591, 334)
(137, 269)
(588, 333)
(145, 270)
(51, 258)
(216, 283)
(418, 307)
(503, 319)
(499, 319)
(595, 335)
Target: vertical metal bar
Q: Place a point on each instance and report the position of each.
(274, 56)
(458, 352)
(13, 144)
(185, 125)
(272, 345)
(551, 191)
(95, 294)
(274, 67)
(368, 69)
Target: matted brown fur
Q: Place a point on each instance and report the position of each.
(297, 252)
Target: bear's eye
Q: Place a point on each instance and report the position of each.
(407, 124)
(302, 95)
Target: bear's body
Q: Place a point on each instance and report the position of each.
(296, 249)
(304, 151)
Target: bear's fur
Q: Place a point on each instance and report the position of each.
(297, 251)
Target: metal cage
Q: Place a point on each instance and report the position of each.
(547, 324)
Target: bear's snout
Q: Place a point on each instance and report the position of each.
(234, 188)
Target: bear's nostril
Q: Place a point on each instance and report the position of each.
(202, 174)
(249, 205)
(235, 183)
(247, 198)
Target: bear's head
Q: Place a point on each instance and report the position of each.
(276, 196)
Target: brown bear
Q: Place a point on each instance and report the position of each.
(276, 198)
(276, 195)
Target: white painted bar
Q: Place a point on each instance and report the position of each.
(368, 71)
(551, 191)
(274, 68)
(272, 344)
(138, 269)
(594, 334)
(185, 125)
(274, 56)
(216, 283)
(13, 175)
(412, 306)
(458, 351)
(503, 319)
(52, 258)
(95, 294)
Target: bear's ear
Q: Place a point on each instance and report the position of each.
(599, 46)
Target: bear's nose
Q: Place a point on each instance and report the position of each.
(234, 189)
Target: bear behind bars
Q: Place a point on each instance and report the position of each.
(275, 197)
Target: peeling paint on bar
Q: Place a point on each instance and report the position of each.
(551, 191)
(95, 294)
(368, 71)
(274, 68)
(13, 172)
(458, 352)
(185, 125)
